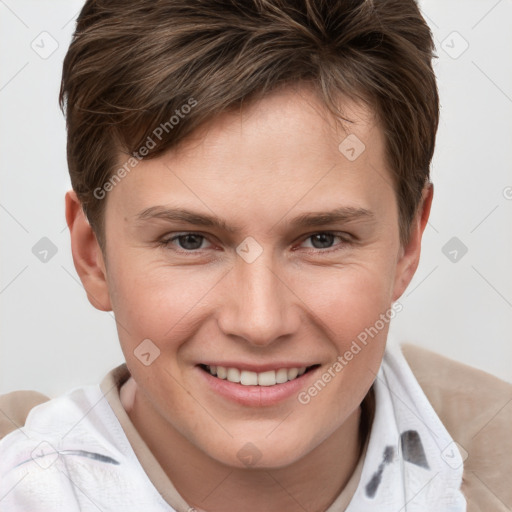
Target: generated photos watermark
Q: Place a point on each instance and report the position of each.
(305, 397)
(149, 144)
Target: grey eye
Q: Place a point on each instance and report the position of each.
(190, 241)
(322, 240)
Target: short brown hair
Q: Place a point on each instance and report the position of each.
(133, 64)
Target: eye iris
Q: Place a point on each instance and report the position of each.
(195, 240)
(324, 239)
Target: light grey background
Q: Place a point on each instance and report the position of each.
(52, 339)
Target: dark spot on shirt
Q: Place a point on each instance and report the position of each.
(412, 449)
(81, 453)
(372, 486)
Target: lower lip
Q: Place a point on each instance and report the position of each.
(257, 396)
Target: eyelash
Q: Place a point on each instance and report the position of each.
(344, 237)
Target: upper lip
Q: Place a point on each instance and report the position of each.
(258, 368)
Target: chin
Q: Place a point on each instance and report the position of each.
(260, 452)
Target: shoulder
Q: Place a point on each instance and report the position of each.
(79, 422)
(14, 409)
(71, 441)
(476, 409)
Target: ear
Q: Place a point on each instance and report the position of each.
(87, 255)
(410, 253)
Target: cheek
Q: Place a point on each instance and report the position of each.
(156, 301)
(352, 308)
(354, 311)
(347, 299)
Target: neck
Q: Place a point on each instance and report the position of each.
(228, 489)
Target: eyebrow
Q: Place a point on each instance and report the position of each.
(312, 219)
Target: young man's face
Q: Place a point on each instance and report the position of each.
(264, 291)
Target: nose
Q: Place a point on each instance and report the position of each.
(259, 307)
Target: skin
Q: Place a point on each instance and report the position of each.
(300, 300)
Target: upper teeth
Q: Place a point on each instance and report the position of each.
(247, 378)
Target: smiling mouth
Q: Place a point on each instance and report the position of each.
(248, 378)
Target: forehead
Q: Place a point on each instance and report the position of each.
(286, 124)
(281, 150)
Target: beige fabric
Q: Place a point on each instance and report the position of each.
(475, 407)
(14, 408)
